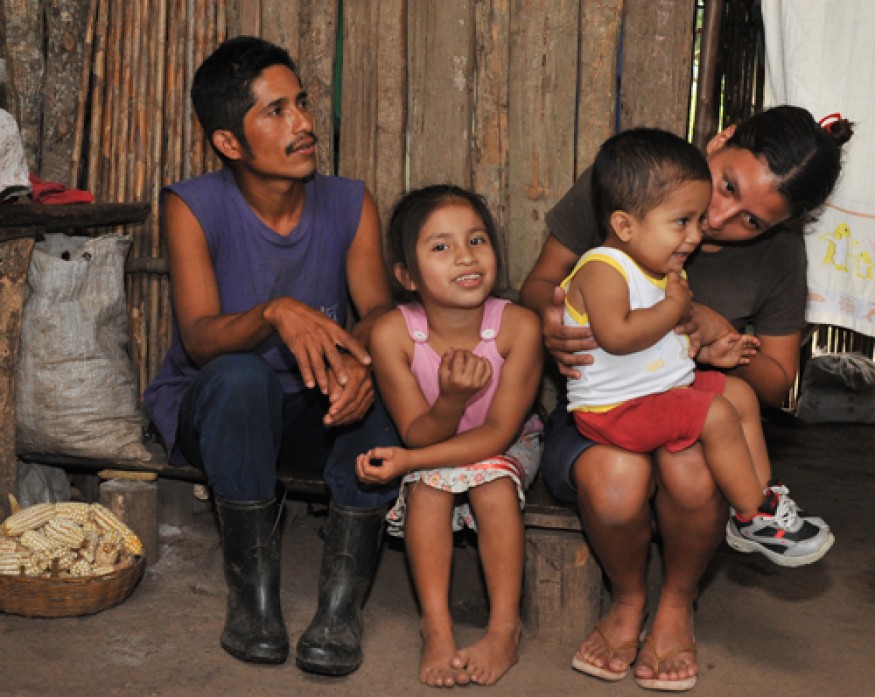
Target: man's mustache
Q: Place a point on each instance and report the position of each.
(308, 138)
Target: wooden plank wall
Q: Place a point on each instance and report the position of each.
(510, 97)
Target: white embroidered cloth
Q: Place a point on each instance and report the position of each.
(820, 54)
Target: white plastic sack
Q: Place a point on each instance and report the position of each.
(75, 388)
(837, 387)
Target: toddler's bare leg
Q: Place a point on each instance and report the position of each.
(744, 399)
(729, 458)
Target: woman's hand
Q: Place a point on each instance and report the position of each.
(563, 342)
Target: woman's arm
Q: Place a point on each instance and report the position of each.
(772, 371)
(540, 293)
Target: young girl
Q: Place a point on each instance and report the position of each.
(641, 393)
(458, 371)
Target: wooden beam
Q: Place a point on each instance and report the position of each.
(76, 215)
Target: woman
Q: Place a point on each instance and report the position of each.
(774, 168)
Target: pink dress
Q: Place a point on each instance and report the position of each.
(520, 462)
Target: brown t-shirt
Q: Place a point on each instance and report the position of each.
(761, 283)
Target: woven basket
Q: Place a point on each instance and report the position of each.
(68, 597)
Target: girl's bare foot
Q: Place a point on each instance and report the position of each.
(492, 656)
(436, 667)
(612, 646)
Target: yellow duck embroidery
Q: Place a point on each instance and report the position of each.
(837, 246)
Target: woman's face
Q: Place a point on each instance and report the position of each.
(745, 201)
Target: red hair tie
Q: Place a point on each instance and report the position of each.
(827, 122)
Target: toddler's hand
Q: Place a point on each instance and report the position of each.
(462, 374)
(678, 289)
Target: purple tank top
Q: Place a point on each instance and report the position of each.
(253, 264)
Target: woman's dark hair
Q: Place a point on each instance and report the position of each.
(634, 171)
(805, 157)
(222, 87)
(410, 214)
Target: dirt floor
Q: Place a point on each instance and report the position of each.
(761, 629)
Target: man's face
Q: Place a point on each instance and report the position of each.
(278, 127)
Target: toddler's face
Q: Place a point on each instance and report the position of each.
(670, 232)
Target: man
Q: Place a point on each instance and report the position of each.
(261, 373)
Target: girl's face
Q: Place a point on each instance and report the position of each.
(456, 259)
(745, 201)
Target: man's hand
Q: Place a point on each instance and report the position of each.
(730, 350)
(382, 465)
(348, 403)
(563, 342)
(314, 339)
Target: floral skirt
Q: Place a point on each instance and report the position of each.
(520, 463)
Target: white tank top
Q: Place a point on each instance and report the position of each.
(613, 379)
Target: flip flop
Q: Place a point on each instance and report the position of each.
(667, 685)
(603, 673)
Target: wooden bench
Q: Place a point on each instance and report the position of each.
(563, 582)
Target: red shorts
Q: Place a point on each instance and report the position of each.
(672, 420)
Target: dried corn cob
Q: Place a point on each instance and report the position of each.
(28, 518)
(80, 568)
(65, 531)
(77, 510)
(107, 520)
(37, 565)
(101, 569)
(37, 542)
(7, 544)
(11, 563)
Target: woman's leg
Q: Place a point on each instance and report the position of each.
(429, 538)
(614, 487)
(501, 540)
(692, 515)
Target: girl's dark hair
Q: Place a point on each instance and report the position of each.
(634, 171)
(410, 214)
(222, 87)
(805, 157)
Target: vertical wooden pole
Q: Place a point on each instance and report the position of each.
(490, 137)
(14, 262)
(543, 90)
(441, 94)
(708, 91)
(657, 64)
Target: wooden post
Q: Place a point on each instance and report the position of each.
(136, 504)
(14, 262)
(563, 586)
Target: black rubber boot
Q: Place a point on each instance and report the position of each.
(332, 644)
(254, 626)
